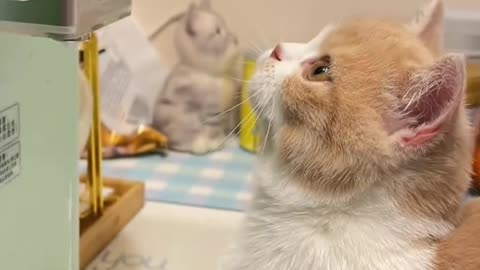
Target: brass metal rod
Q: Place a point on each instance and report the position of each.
(94, 161)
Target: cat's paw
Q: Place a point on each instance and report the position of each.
(203, 145)
(200, 146)
(216, 144)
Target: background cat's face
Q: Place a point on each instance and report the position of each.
(360, 99)
(207, 31)
(203, 39)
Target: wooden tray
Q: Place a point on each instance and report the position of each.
(97, 233)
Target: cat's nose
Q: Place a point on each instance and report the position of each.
(277, 53)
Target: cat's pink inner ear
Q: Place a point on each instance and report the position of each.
(429, 25)
(432, 98)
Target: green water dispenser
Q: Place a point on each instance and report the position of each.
(39, 126)
(60, 19)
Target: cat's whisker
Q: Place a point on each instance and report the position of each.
(266, 42)
(255, 41)
(258, 39)
(247, 99)
(231, 109)
(266, 136)
(239, 80)
(232, 133)
(253, 113)
(236, 106)
(253, 46)
(248, 118)
(255, 50)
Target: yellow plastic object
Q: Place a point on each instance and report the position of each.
(95, 181)
(473, 84)
(249, 137)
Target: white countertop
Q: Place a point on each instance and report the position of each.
(170, 237)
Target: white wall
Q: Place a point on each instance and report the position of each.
(263, 23)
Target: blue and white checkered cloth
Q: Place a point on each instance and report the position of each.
(219, 180)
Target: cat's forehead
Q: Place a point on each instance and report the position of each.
(355, 36)
(302, 51)
(207, 17)
(382, 47)
(368, 38)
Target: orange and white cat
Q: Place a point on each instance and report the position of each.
(369, 155)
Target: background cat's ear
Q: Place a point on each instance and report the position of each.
(189, 20)
(432, 99)
(429, 25)
(205, 4)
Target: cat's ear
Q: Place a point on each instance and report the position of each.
(205, 4)
(431, 101)
(429, 25)
(189, 19)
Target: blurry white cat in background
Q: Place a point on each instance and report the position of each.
(202, 86)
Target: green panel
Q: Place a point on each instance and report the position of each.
(49, 12)
(38, 154)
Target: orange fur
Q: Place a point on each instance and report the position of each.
(460, 251)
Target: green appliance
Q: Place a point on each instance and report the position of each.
(60, 19)
(39, 126)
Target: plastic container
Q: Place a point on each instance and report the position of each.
(250, 138)
(473, 100)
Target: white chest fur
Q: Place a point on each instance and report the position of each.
(285, 230)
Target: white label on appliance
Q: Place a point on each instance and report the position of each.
(9, 125)
(9, 163)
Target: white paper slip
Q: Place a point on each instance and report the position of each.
(132, 75)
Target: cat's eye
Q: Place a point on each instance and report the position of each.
(319, 71)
